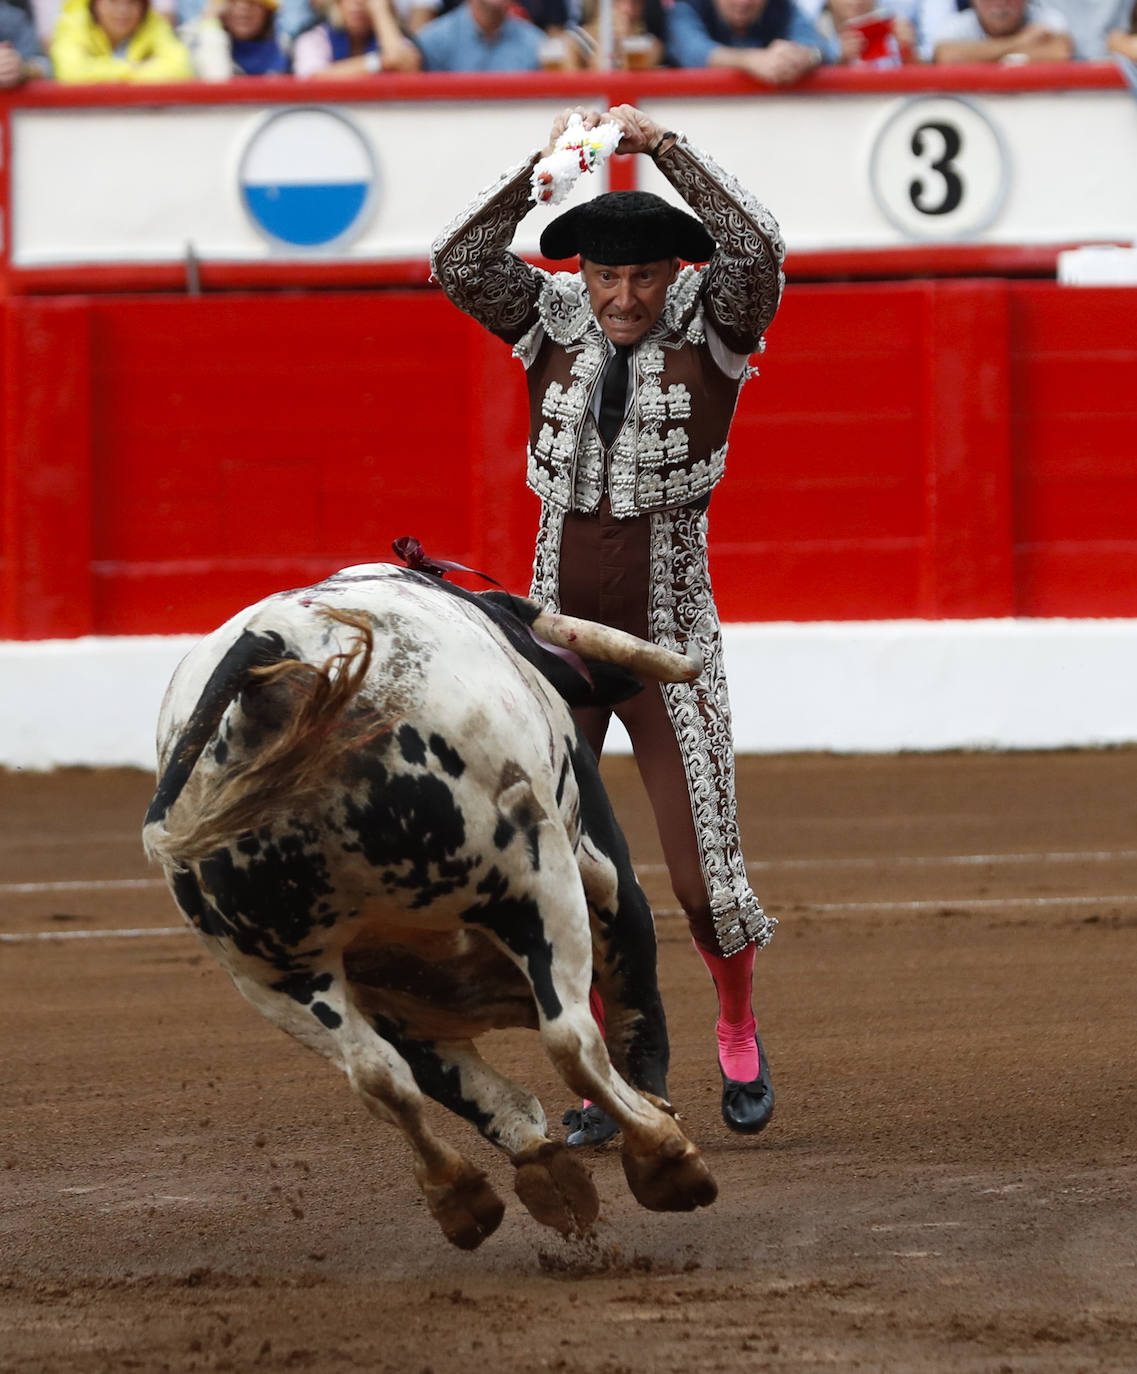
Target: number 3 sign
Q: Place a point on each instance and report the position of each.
(938, 169)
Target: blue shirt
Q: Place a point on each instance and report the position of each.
(695, 28)
(18, 30)
(340, 41)
(258, 56)
(454, 43)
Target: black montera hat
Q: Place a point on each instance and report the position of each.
(623, 227)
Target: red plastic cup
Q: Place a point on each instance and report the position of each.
(876, 29)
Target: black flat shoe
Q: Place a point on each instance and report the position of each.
(593, 1126)
(748, 1107)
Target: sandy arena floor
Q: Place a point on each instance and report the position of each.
(948, 1183)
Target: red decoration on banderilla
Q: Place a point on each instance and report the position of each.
(415, 556)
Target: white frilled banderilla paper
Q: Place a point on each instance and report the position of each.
(577, 150)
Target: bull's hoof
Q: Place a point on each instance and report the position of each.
(673, 1178)
(556, 1189)
(592, 1126)
(467, 1208)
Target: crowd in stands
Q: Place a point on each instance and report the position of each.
(776, 41)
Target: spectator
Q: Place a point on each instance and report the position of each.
(930, 16)
(236, 38)
(21, 57)
(480, 36)
(358, 37)
(770, 39)
(639, 34)
(1092, 22)
(998, 30)
(845, 39)
(554, 16)
(43, 14)
(568, 47)
(1123, 40)
(293, 16)
(117, 40)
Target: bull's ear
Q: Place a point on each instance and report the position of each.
(526, 611)
(611, 684)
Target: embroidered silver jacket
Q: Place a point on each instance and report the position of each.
(671, 450)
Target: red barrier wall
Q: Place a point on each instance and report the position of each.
(924, 449)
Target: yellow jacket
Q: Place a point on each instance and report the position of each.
(81, 50)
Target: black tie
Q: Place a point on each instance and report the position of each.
(614, 395)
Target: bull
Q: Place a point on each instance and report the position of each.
(374, 808)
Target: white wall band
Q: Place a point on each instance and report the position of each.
(847, 687)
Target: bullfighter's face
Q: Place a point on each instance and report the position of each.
(628, 300)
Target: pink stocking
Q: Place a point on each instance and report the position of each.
(733, 980)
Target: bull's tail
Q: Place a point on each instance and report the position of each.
(310, 716)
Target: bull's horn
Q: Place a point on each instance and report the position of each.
(591, 640)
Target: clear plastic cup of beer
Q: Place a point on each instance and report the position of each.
(554, 54)
(636, 51)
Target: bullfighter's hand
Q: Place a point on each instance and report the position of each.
(589, 118)
(641, 132)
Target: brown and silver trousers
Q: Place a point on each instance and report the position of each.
(648, 575)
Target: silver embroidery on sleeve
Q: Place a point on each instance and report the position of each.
(472, 262)
(683, 616)
(744, 279)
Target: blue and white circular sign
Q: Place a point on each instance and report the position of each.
(308, 179)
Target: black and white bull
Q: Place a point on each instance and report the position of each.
(374, 808)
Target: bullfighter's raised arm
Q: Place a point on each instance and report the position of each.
(743, 281)
(472, 261)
